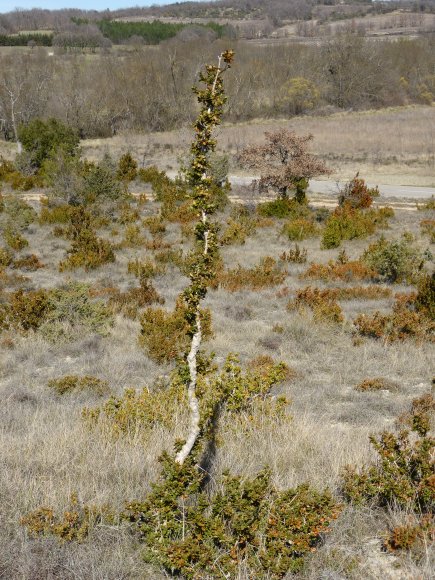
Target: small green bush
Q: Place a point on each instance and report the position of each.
(42, 138)
(394, 261)
(347, 223)
(19, 212)
(403, 475)
(72, 313)
(300, 229)
(87, 251)
(284, 208)
(127, 168)
(14, 239)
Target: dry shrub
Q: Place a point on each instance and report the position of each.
(157, 243)
(6, 258)
(133, 237)
(129, 303)
(376, 384)
(170, 256)
(73, 383)
(404, 322)
(127, 214)
(144, 268)
(155, 224)
(75, 525)
(18, 212)
(164, 334)
(265, 275)
(428, 228)
(347, 272)
(295, 255)
(421, 416)
(28, 263)
(356, 194)
(59, 214)
(413, 536)
(323, 306)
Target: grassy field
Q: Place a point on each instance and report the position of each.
(49, 452)
(390, 146)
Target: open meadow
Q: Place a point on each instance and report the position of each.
(349, 315)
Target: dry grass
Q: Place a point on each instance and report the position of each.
(48, 452)
(390, 146)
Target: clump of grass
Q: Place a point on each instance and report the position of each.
(376, 384)
(295, 255)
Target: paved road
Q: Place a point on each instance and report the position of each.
(331, 188)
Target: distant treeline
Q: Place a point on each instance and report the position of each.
(39, 39)
(117, 32)
(152, 32)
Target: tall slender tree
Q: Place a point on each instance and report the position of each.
(211, 97)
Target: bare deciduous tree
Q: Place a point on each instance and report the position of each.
(284, 163)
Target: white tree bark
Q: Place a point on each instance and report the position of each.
(194, 428)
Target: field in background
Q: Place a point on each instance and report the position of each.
(391, 146)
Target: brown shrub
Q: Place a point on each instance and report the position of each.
(324, 308)
(265, 275)
(376, 384)
(347, 272)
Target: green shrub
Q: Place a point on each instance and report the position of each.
(127, 168)
(134, 299)
(6, 258)
(100, 186)
(299, 229)
(72, 313)
(248, 521)
(14, 239)
(25, 311)
(70, 383)
(40, 139)
(19, 212)
(59, 214)
(133, 237)
(283, 208)
(394, 261)
(347, 223)
(87, 251)
(403, 475)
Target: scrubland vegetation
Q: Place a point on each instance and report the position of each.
(199, 388)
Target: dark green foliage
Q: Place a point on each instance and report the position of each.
(152, 32)
(42, 138)
(404, 474)
(23, 39)
(283, 208)
(127, 168)
(197, 535)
